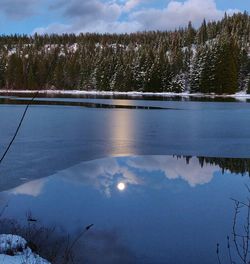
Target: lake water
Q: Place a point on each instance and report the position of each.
(125, 166)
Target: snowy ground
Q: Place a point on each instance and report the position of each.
(239, 95)
(14, 250)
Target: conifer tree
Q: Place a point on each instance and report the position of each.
(211, 58)
(227, 68)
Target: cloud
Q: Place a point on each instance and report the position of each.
(55, 28)
(18, 9)
(32, 188)
(120, 17)
(84, 16)
(92, 10)
(103, 174)
(130, 4)
(98, 26)
(174, 168)
(178, 14)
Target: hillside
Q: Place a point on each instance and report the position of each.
(215, 58)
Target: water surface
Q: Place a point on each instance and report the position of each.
(54, 137)
(169, 209)
(109, 161)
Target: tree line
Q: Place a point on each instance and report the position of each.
(214, 58)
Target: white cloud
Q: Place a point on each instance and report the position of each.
(99, 26)
(174, 168)
(130, 4)
(54, 28)
(102, 17)
(178, 14)
(32, 188)
(102, 174)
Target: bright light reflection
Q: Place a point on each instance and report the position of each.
(121, 186)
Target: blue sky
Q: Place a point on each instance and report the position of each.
(59, 16)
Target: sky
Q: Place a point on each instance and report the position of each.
(109, 16)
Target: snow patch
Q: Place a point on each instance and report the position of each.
(238, 95)
(14, 250)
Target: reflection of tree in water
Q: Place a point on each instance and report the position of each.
(239, 166)
(234, 165)
(238, 243)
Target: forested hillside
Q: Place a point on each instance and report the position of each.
(214, 58)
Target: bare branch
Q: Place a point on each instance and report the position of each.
(18, 127)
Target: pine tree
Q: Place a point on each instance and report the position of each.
(213, 58)
(2, 73)
(227, 68)
(202, 36)
(190, 34)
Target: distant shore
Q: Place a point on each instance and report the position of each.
(238, 95)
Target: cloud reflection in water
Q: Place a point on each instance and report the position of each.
(105, 174)
(168, 201)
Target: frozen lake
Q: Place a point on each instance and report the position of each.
(70, 155)
(54, 137)
(145, 209)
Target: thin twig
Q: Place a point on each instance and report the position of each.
(241, 204)
(237, 206)
(80, 235)
(18, 127)
(71, 246)
(247, 228)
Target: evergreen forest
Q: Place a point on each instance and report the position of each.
(214, 58)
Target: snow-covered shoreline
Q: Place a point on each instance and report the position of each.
(14, 250)
(239, 95)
